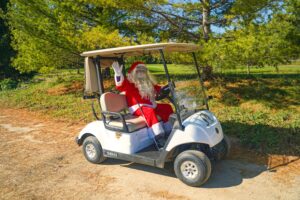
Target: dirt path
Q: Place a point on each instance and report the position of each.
(40, 160)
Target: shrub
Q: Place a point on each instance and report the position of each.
(8, 84)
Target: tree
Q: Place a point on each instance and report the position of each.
(6, 50)
(188, 20)
(52, 34)
(254, 46)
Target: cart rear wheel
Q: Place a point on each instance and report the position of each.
(92, 150)
(192, 167)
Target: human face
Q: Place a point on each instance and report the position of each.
(141, 72)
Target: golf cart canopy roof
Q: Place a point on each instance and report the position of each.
(139, 50)
(97, 60)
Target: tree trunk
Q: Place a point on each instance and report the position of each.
(205, 19)
(208, 70)
(276, 68)
(248, 69)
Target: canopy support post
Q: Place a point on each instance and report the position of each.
(171, 85)
(99, 75)
(201, 80)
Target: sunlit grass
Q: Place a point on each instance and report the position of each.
(262, 110)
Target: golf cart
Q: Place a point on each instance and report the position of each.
(196, 138)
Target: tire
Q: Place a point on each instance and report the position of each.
(227, 144)
(207, 161)
(92, 150)
(192, 167)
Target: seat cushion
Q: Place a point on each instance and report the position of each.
(113, 102)
(133, 122)
(116, 103)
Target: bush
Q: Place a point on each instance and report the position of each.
(8, 84)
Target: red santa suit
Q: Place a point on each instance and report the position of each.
(140, 106)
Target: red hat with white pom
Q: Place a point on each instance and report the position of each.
(136, 64)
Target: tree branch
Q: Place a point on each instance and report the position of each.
(174, 23)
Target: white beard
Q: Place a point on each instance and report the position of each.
(145, 88)
(144, 85)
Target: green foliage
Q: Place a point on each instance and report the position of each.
(6, 51)
(52, 95)
(50, 35)
(8, 84)
(256, 45)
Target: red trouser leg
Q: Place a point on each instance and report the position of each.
(150, 117)
(164, 111)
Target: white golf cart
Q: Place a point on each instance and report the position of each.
(195, 140)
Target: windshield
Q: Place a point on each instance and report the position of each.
(188, 90)
(189, 94)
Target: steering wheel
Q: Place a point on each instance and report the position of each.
(163, 93)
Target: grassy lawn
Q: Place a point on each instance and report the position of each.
(262, 109)
(189, 69)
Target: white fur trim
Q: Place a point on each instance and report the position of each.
(154, 103)
(157, 129)
(134, 108)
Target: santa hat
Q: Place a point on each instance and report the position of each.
(134, 65)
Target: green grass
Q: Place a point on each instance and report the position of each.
(189, 69)
(158, 69)
(283, 69)
(51, 94)
(262, 109)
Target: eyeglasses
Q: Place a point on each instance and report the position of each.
(141, 69)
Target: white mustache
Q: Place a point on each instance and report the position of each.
(144, 84)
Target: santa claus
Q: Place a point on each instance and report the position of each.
(140, 91)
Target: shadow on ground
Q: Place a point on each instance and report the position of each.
(264, 138)
(226, 173)
(273, 90)
(276, 91)
(229, 173)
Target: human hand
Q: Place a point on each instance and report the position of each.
(117, 68)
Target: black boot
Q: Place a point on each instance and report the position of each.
(160, 140)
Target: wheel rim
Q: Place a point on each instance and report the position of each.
(189, 169)
(90, 151)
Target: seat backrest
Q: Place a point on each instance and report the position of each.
(113, 102)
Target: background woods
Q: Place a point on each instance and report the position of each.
(44, 35)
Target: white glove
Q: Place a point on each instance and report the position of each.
(119, 78)
(117, 68)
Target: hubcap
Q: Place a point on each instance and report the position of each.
(90, 151)
(189, 169)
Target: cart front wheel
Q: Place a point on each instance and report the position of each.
(192, 167)
(92, 150)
